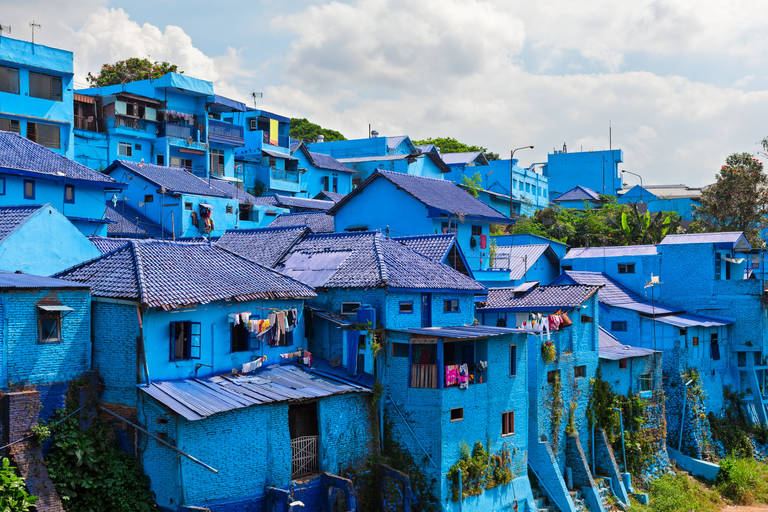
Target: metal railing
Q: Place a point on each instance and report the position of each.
(85, 123)
(304, 459)
(285, 175)
(129, 122)
(180, 131)
(225, 130)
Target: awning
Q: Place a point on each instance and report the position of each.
(690, 320)
(336, 319)
(206, 205)
(278, 155)
(54, 307)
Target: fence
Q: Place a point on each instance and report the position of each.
(304, 456)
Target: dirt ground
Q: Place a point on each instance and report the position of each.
(752, 508)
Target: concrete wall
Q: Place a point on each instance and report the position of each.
(597, 170)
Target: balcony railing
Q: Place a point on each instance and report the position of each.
(85, 123)
(129, 122)
(180, 131)
(225, 131)
(304, 460)
(424, 376)
(285, 175)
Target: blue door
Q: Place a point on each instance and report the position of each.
(426, 310)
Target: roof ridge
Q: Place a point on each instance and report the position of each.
(377, 250)
(136, 256)
(264, 267)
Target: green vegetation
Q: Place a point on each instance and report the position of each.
(680, 493)
(733, 430)
(13, 493)
(479, 471)
(307, 131)
(556, 411)
(743, 480)
(548, 351)
(130, 70)
(473, 183)
(451, 145)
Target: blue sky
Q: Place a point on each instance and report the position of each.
(680, 80)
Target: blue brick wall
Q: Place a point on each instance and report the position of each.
(347, 429)
(29, 362)
(115, 334)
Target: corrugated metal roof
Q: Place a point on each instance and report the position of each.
(317, 222)
(578, 193)
(461, 332)
(518, 259)
(264, 245)
(612, 349)
(277, 154)
(13, 217)
(463, 158)
(12, 280)
(303, 202)
(169, 275)
(692, 320)
(20, 153)
(542, 298)
(611, 252)
(196, 399)
(394, 141)
(434, 247)
(173, 179)
(732, 237)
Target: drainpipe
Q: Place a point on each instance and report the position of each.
(682, 417)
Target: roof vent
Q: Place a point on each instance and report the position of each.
(320, 137)
(374, 133)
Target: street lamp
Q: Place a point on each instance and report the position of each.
(633, 174)
(512, 176)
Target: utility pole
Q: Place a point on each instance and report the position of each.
(512, 178)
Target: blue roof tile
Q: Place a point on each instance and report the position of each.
(303, 202)
(368, 260)
(174, 179)
(434, 247)
(318, 222)
(12, 217)
(330, 196)
(18, 153)
(328, 162)
(443, 197)
(233, 191)
(542, 298)
(170, 275)
(18, 281)
(264, 245)
(578, 193)
(519, 259)
(106, 245)
(126, 221)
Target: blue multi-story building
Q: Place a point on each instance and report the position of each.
(31, 174)
(680, 199)
(321, 174)
(36, 93)
(596, 170)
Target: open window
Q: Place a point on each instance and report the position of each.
(473, 354)
(49, 322)
(424, 365)
(185, 340)
(239, 337)
(304, 433)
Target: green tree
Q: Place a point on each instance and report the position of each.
(451, 145)
(307, 131)
(13, 492)
(473, 183)
(738, 200)
(130, 70)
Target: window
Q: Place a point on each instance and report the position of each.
(448, 227)
(216, 157)
(185, 340)
(335, 183)
(29, 189)
(507, 423)
(2, 186)
(619, 325)
(137, 147)
(349, 308)
(579, 371)
(124, 149)
(646, 382)
(182, 163)
(552, 376)
(477, 230)
(44, 86)
(229, 209)
(10, 125)
(695, 341)
(567, 267)
(326, 183)
(623, 364)
(457, 414)
(49, 326)
(239, 337)
(406, 307)
(718, 266)
(187, 205)
(47, 135)
(149, 198)
(160, 159)
(586, 319)
(9, 80)
(69, 194)
(741, 359)
(626, 268)
(399, 350)
(253, 125)
(451, 306)
(513, 360)
(714, 347)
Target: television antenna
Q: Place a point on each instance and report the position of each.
(34, 25)
(650, 284)
(256, 95)
(4, 29)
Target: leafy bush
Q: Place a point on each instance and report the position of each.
(743, 480)
(681, 493)
(479, 471)
(13, 493)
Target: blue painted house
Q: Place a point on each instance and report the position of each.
(185, 346)
(31, 174)
(265, 246)
(320, 173)
(680, 199)
(596, 170)
(442, 248)
(401, 204)
(518, 264)
(578, 198)
(36, 93)
(43, 232)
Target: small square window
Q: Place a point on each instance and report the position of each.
(507, 423)
(349, 308)
(29, 189)
(579, 371)
(552, 376)
(457, 414)
(185, 340)
(451, 306)
(695, 341)
(513, 360)
(229, 209)
(586, 319)
(406, 307)
(187, 205)
(477, 230)
(149, 198)
(623, 364)
(619, 325)
(626, 268)
(69, 193)
(2, 186)
(137, 147)
(49, 326)
(124, 149)
(400, 349)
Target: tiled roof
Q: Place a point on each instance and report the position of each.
(265, 200)
(264, 245)
(425, 148)
(278, 154)
(318, 222)
(729, 237)
(611, 251)
(170, 275)
(129, 222)
(106, 245)
(616, 294)
(578, 193)
(12, 217)
(443, 197)
(331, 196)
(434, 247)
(461, 158)
(375, 158)
(518, 259)
(613, 350)
(13, 280)
(195, 399)
(368, 259)
(233, 191)
(542, 298)
(328, 162)
(173, 179)
(18, 153)
(393, 142)
(303, 202)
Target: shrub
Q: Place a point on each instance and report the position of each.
(13, 493)
(681, 493)
(743, 480)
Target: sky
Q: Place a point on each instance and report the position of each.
(680, 82)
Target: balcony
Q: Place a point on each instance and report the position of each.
(282, 140)
(285, 175)
(132, 123)
(184, 135)
(225, 133)
(85, 123)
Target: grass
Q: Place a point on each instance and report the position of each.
(679, 493)
(743, 480)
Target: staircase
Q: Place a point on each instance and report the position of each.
(541, 501)
(578, 501)
(606, 495)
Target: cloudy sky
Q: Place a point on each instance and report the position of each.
(682, 82)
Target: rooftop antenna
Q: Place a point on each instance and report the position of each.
(610, 139)
(255, 95)
(34, 25)
(650, 284)
(5, 29)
